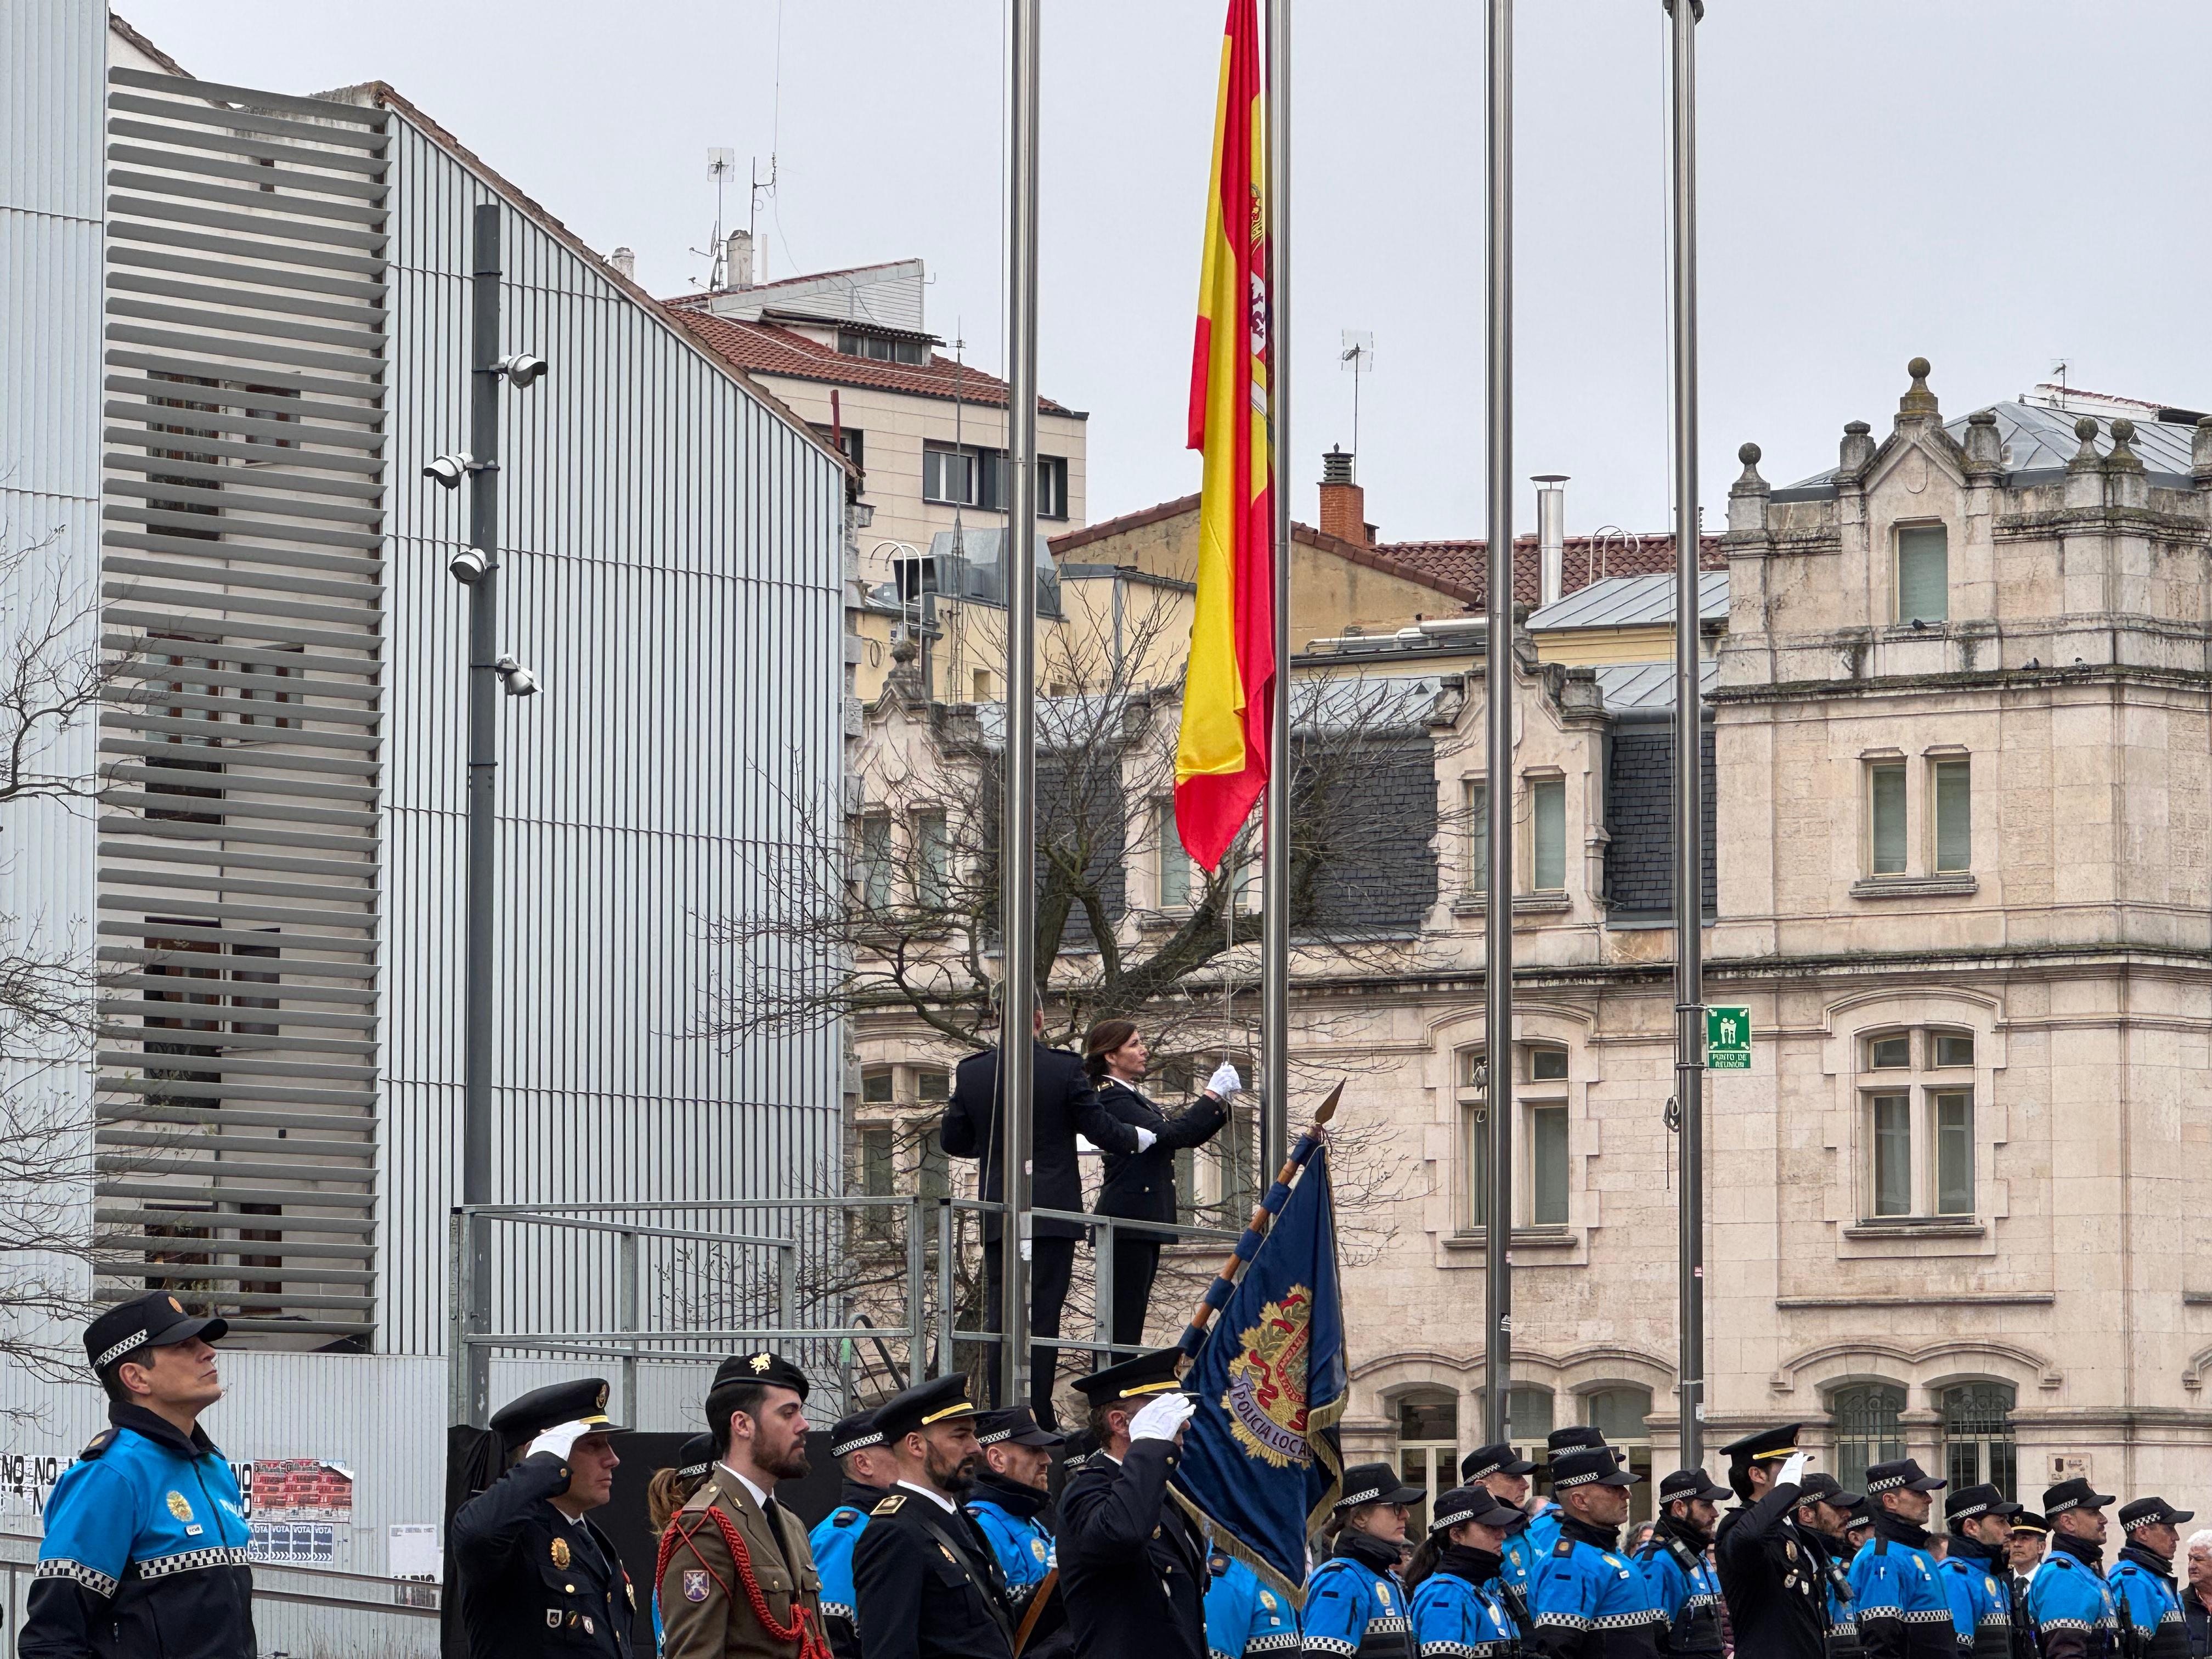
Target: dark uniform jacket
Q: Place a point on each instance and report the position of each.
(926, 1584)
(705, 1610)
(531, 1582)
(1831, 1559)
(1132, 1566)
(1063, 1104)
(144, 1551)
(1772, 1586)
(1141, 1185)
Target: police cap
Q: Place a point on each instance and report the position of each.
(1080, 1445)
(1376, 1483)
(1690, 1483)
(2075, 1494)
(696, 1456)
(1148, 1373)
(1900, 1474)
(1500, 1459)
(771, 1369)
(1476, 1504)
(2029, 1521)
(1826, 1489)
(1591, 1466)
(1014, 1425)
(1573, 1437)
(938, 1401)
(2152, 1512)
(1763, 1445)
(528, 1416)
(855, 1433)
(1968, 1502)
(157, 1321)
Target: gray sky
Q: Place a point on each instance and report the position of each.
(1985, 184)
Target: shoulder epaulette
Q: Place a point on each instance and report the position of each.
(1882, 1546)
(890, 1505)
(844, 1517)
(98, 1443)
(2062, 1563)
(1565, 1547)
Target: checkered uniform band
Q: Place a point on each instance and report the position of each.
(1887, 1483)
(1566, 1481)
(1970, 1511)
(994, 1438)
(691, 1470)
(2061, 1507)
(1451, 1517)
(1352, 1497)
(839, 1448)
(136, 1339)
(2142, 1520)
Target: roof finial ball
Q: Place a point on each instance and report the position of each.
(1749, 454)
(1918, 400)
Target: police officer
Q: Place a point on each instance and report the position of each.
(1973, 1570)
(1243, 1616)
(1543, 1529)
(1903, 1612)
(1458, 1612)
(145, 1543)
(2144, 1598)
(2024, 1548)
(2067, 1600)
(1133, 1567)
(534, 1575)
(1824, 1511)
(1591, 1601)
(1355, 1603)
(1504, 1474)
(1012, 1503)
(1771, 1581)
(1674, 1565)
(926, 1584)
(858, 1445)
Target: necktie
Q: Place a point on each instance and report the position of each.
(774, 1512)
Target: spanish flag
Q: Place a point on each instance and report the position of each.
(1221, 756)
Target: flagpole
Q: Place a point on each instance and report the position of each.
(1274, 1080)
(1689, 813)
(1018, 835)
(1263, 1215)
(1497, 671)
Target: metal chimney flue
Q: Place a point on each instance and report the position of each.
(1551, 535)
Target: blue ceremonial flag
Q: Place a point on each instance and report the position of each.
(1259, 1465)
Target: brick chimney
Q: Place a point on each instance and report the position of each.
(1343, 503)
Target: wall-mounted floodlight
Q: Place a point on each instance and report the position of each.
(514, 679)
(447, 470)
(520, 368)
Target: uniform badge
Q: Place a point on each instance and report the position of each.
(560, 1553)
(760, 1362)
(1037, 1548)
(630, 1590)
(1382, 1594)
(178, 1305)
(552, 1618)
(179, 1508)
(588, 1624)
(1789, 1548)
(695, 1584)
(1268, 1600)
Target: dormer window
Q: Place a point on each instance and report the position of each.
(883, 348)
(1924, 574)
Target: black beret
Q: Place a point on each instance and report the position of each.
(156, 1320)
(771, 1369)
(528, 1416)
(933, 1402)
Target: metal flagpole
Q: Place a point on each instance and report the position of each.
(1497, 678)
(1274, 1080)
(1689, 819)
(1018, 836)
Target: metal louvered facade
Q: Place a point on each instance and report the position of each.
(246, 390)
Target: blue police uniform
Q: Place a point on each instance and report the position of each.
(2071, 1605)
(1591, 1601)
(2141, 1584)
(1972, 1580)
(1243, 1615)
(1022, 1544)
(1355, 1604)
(1537, 1539)
(1519, 1562)
(1686, 1590)
(1903, 1613)
(144, 1551)
(832, 1541)
(1456, 1619)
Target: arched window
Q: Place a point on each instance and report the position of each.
(1977, 1444)
(1428, 1444)
(1618, 1413)
(1867, 1430)
(1528, 1409)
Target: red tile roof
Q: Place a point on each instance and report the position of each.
(767, 349)
(1588, 559)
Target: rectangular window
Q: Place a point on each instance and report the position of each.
(979, 686)
(1886, 782)
(931, 1085)
(878, 1171)
(1924, 575)
(1052, 487)
(1547, 1166)
(1954, 1048)
(1174, 863)
(1476, 1120)
(1954, 835)
(876, 861)
(1954, 1153)
(932, 1177)
(1546, 1064)
(1892, 1154)
(948, 475)
(1890, 1054)
(1547, 818)
(876, 1086)
(1477, 835)
(932, 860)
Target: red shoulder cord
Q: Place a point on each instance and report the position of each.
(812, 1644)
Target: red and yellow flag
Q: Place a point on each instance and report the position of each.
(1221, 756)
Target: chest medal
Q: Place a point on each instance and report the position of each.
(561, 1553)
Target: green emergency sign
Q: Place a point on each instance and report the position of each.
(1728, 1039)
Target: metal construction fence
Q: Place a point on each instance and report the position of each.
(866, 1294)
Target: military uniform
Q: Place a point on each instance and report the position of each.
(1683, 1582)
(2144, 1598)
(1243, 1615)
(1769, 1579)
(1830, 1556)
(2067, 1600)
(1590, 1601)
(145, 1542)
(834, 1536)
(925, 1583)
(531, 1581)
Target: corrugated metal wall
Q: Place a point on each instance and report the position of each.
(671, 560)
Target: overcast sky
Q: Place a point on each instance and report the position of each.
(1996, 185)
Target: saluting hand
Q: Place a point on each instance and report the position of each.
(561, 1439)
(1162, 1419)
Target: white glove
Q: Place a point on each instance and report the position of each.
(1224, 1081)
(1163, 1418)
(1145, 1138)
(561, 1439)
(1793, 1471)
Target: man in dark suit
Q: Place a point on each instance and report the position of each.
(1063, 1103)
(1133, 1567)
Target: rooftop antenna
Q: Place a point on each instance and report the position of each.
(2058, 368)
(761, 187)
(721, 162)
(1357, 358)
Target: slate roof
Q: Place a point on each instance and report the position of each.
(1633, 602)
(1645, 686)
(1639, 792)
(1588, 559)
(767, 348)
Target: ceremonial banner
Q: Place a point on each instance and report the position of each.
(1221, 754)
(1259, 1466)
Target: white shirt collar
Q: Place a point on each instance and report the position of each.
(759, 1497)
(935, 1497)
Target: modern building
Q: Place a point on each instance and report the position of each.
(239, 326)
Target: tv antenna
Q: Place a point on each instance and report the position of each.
(761, 187)
(1357, 358)
(721, 162)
